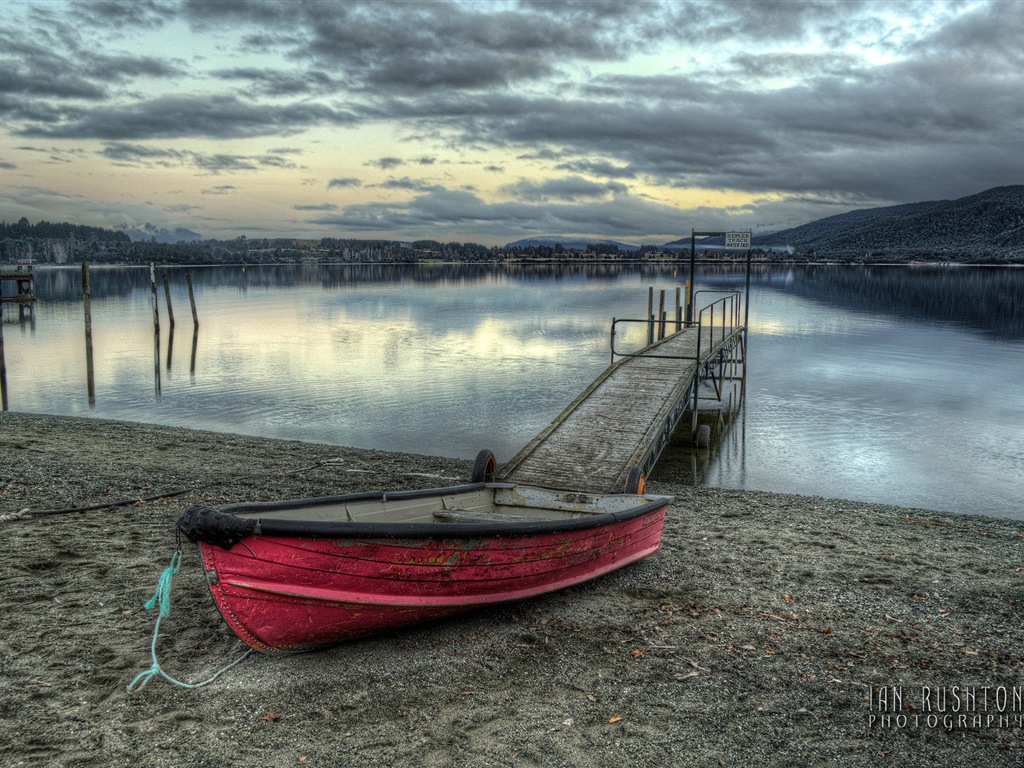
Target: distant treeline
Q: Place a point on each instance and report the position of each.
(47, 230)
(49, 243)
(63, 243)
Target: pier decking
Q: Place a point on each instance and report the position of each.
(625, 418)
(22, 279)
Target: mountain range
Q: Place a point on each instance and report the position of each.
(986, 227)
(148, 233)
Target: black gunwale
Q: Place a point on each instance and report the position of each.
(347, 530)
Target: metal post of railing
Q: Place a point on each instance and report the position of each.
(661, 315)
(650, 314)
(696, 375)
(723, 323)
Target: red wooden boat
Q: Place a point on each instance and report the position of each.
(297, 575)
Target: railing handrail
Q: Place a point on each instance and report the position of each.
(710, 308)
(732, 297)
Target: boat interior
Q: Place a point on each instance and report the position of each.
(494, 503)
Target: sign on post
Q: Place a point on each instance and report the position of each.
(737, 240)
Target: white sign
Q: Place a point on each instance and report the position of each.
(737, 240)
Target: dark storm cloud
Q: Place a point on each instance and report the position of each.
(270, 82)
(759, 20)
(122, 68)
(323, 207)
(415, 47)
(135, 153)
(441, 209)
(404, 183)
(55, 62)
(386, 163)
(573, 188)
(140, 155)
(126, 13)
(891, 133)
(220, 117)
(32, 68)
(597, 168)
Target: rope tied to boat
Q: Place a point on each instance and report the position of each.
(162, 598)
(15, 515)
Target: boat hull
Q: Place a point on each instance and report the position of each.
(286, 593)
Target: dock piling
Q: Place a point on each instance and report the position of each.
(156, 308)
(3, 369)
(167, 295)
(192, 300)
(90, 374)
(650, 314)
(661, 315)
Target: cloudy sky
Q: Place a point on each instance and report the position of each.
(492, 121)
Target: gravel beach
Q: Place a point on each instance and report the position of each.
(769, 630)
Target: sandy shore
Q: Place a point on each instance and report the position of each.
(756, 636)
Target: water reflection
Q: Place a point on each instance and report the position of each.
(887, 384)
(988, 299)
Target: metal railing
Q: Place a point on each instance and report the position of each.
(728, 312)
(720, 322)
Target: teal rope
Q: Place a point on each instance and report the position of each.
(162, 597)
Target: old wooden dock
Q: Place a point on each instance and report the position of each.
(22, 279)
(626, 417)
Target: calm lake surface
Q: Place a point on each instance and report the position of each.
(898, 385)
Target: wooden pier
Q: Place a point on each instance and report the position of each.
(626, 417)
(22, 278)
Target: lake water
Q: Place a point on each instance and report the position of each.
(891, 384)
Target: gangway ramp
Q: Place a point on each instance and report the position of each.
(625, 418)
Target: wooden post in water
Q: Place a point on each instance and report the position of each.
(156, 360)
(167, 295)
(90, 377)
(650, 314)
(3, 364)
(156, 308)
(661, 315)
(192, 300)
(679, 312)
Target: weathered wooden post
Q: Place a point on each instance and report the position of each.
(167, 294)
(156, 360)
(679, 312)
(650, 314)
(156, 308)
(90, 374)
(170, 346)
(192, 300)
(661, 315)
(3, 363)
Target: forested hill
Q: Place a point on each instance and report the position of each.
(48, 230)
(987, 227)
